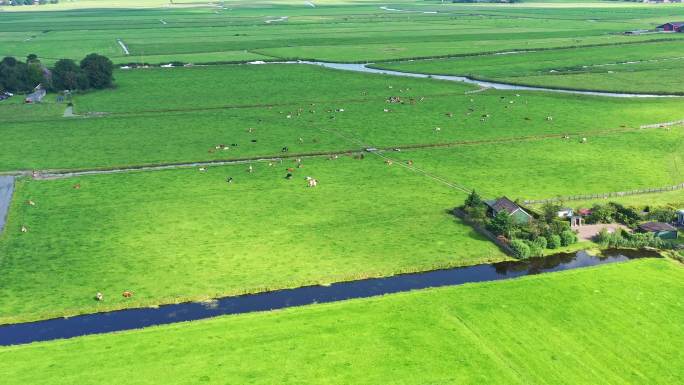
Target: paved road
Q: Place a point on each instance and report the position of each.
(6, 190)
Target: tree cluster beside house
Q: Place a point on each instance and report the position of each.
(554, 225)
(35, 78)
(527, 235)
(648, 227)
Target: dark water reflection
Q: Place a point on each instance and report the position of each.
(138, 318)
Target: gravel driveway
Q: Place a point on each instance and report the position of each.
(6, 189)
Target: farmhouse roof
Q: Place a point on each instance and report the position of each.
(503, 204)
(654, 227)
(673, 23)
(584, 211)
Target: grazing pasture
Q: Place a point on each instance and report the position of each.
(188, 225)
(385, 157)
(170, 115)
(651, 67)
(186, 234)
(610, 324)
(561, 167)
(360, 31)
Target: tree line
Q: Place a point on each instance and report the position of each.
(92, 72)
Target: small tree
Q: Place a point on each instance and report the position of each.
(535, 249)
(520, 248)
(602, 214)
(662, 214)
(550, 211)
(476, 213)
(98, 69)
(541, 242)
(554, 241)
(501, 224)
(567, 238)
(473, 200)
(626, 215)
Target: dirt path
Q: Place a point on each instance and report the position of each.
(6, 190)
(69, 112)
(588, 232)
(281, 18)
(123, 46)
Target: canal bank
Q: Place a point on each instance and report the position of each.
(129, 319)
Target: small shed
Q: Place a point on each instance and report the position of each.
(504, 204)
(584, 212)
(673, 26)
(37, 95)
(680, 217)
(659, 229)
(565, 212)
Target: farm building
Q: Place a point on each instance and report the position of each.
(674, 26)
(565, 212)
(36, 96)
(680, 217)
(660, 229)
(504, 204)
(584, 212)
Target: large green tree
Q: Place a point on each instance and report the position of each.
(14, 76)
(99, 70)
(66, 75)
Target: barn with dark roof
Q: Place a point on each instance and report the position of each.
(673, 26)
(659, 229)
(506, 205)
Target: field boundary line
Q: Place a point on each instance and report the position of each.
(664, 124)
(57, 173)
(616, 194)
(251, 106)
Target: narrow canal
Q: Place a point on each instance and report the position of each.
(138, 318)
(366, 68)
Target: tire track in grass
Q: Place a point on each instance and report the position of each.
(491, 352)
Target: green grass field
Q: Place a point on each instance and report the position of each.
(560, 167)
(164, 245)
(613, 324)
(179, 115)
(184, 234)
(651, 67)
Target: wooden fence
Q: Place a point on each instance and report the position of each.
(605, 195)
(663, 125)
